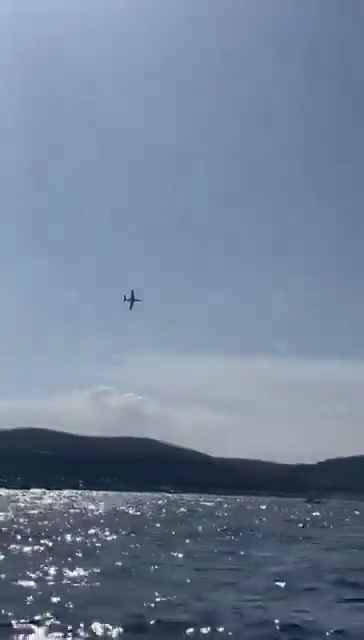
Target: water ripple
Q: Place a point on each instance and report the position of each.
(86, 565)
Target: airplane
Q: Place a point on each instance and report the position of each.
(131, 300)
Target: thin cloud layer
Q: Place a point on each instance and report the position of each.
(282, 409)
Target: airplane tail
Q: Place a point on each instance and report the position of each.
(124, 299)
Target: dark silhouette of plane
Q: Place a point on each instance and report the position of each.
(131, 300)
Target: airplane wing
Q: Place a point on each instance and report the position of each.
(132, 295)
(131, 304)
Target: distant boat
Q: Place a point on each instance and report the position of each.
(313, 500)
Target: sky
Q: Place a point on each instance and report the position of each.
(208, 154)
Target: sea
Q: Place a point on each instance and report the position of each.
(81, 564)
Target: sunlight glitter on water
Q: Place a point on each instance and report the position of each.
(92, 565)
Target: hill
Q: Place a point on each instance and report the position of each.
(32, 457)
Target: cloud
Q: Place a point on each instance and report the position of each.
(274, 408)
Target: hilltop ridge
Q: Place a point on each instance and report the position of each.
(54, 442)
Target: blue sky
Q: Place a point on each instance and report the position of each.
(210, 155)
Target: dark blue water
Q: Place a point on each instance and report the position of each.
(83, 564)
